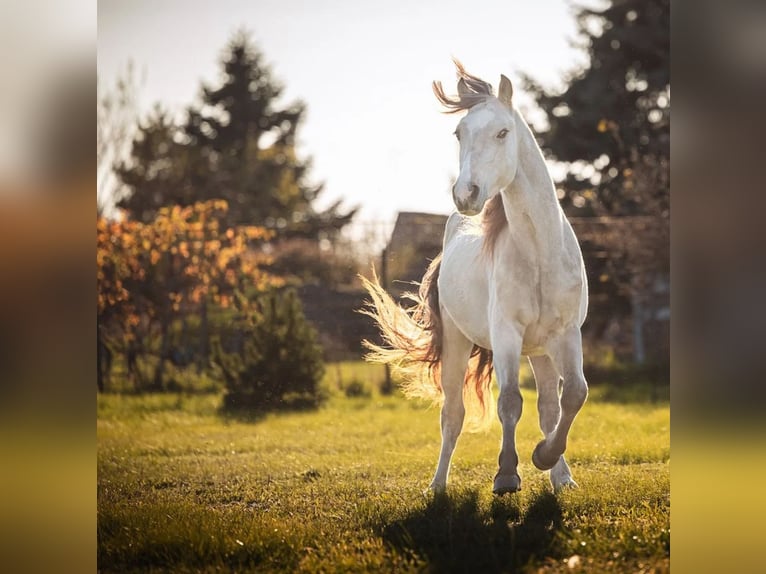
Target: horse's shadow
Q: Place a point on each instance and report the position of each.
(453, 533)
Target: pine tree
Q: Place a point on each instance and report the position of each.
(160, 172)
(611, 125)
(279, 364)
(236, 144)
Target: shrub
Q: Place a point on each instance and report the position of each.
(356, 389)
(278, 363)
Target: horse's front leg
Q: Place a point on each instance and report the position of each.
(456, 349)
(506, 345)
(566, 353)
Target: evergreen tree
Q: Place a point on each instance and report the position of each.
(279, 363)
(611, 125)
(160, 171)
(236, 144)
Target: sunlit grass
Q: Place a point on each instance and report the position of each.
(181, 488)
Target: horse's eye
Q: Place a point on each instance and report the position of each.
(502, 133)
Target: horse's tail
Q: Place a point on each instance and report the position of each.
(412, 345)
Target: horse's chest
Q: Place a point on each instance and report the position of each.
(540, 300)
(514, 289)
(464, 291)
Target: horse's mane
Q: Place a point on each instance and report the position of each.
(471, 91)
(493, 221)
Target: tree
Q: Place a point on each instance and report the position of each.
(611, 125)
(278, 363)
(149, 275)
(236, 144)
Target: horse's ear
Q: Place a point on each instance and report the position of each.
(462, 88)
(505, 93)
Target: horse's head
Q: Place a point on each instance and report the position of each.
(488, 154)
(487, 136)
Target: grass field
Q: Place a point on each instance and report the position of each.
(182, 488)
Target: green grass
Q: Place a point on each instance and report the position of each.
(182, 489)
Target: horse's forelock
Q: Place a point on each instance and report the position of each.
(474, 83)
(475, 91)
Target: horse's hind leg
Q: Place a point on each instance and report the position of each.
(566, 353)
(549, 410)
(456, 349)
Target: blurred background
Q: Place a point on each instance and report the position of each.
(284, 147)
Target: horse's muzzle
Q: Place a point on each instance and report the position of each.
(467, 203)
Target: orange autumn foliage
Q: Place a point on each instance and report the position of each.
(187, 255)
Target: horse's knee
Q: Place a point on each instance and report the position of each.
(574, 394)
(509, 405)
(549, 411)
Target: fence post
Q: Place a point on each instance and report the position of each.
(637, 309)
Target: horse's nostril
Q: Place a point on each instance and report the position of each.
(474, 192)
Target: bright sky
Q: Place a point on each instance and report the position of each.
(373, 126)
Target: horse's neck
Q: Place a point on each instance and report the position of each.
(530, 201)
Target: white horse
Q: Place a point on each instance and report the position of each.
(510, 281)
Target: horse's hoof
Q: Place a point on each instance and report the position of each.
(565, 484)
(540, 462)
(506, 483)
(436, 488)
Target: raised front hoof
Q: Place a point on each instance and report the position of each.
(540, 461)
(506, 483)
